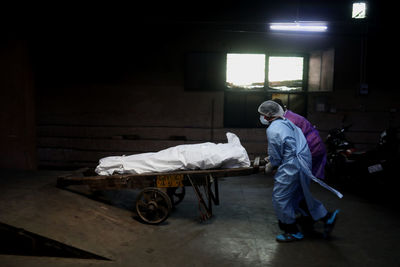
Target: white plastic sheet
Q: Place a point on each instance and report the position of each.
(183, 157)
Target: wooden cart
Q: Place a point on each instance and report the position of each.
(161, 191)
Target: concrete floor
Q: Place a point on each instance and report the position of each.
(241, 233)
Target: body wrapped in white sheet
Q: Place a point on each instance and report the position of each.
(183, 157)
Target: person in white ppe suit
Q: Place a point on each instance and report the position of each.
(289, 153)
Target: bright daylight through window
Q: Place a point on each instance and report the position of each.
(245, 71)
(285, 73)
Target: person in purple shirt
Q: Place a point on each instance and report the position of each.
(314, 141)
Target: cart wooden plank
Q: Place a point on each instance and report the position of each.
(120, 181)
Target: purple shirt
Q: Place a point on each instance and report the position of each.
(314, 141)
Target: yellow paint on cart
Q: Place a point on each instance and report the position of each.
(170, 180)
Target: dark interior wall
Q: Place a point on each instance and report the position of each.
(17, 108)
(364, 57)
(104, 94)
(113, 94)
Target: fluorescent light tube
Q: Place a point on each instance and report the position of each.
(300, 26)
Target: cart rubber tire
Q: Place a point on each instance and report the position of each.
(153, 205)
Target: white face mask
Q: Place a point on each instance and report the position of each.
(263, 120)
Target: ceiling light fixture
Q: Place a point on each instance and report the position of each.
(300, 26)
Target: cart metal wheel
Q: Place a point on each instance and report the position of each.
(176, 194)
(153, 205)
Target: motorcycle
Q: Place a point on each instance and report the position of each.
(347, 165)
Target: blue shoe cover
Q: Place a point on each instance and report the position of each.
(330, 223)
(332, 219)
(287, 237)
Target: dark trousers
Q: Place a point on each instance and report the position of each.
(288, 228)
(306, 222)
